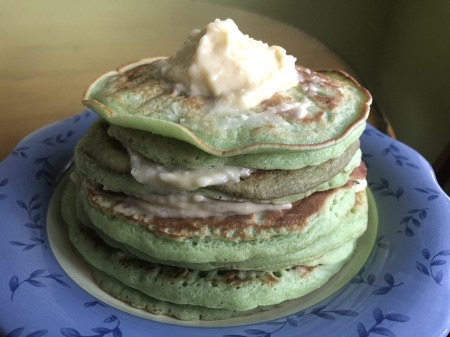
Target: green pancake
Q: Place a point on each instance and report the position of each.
(133, 96)
(303, 257)
(184, 312)
(227, 289)
(94, 152)
(219, 239)
(173, 152)
(327, 249)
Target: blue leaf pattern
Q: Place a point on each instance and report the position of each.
(58, 139)
(320, 312)
(46, 170)
(431, 193)
(101, 331)
(380, 242)
(14, 283)
(32, 209)
(371, 279)
(385, 190)
(15, 333)
(432, 262)
(21, 152)
(255, 332)
(379, 318)
(399, 159)
(3, 183)
(38, 333)
(18, 332)
(79, 117)
(415, 217)
(93, 304)
(69, 332)
(426, 254)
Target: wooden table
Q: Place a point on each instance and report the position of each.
(50, 52)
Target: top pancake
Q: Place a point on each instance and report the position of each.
(322, 110)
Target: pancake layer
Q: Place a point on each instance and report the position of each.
(94, 152)
(337, 106)
(232, 238)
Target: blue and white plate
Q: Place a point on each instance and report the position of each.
(402, 290)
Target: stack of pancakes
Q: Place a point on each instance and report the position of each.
(189, 210)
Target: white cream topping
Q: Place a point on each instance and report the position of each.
(274, 115)
(150, 173)
(188, 206)
(360, 185)
(221, 62)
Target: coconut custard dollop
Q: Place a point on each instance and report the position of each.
(221, 62)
